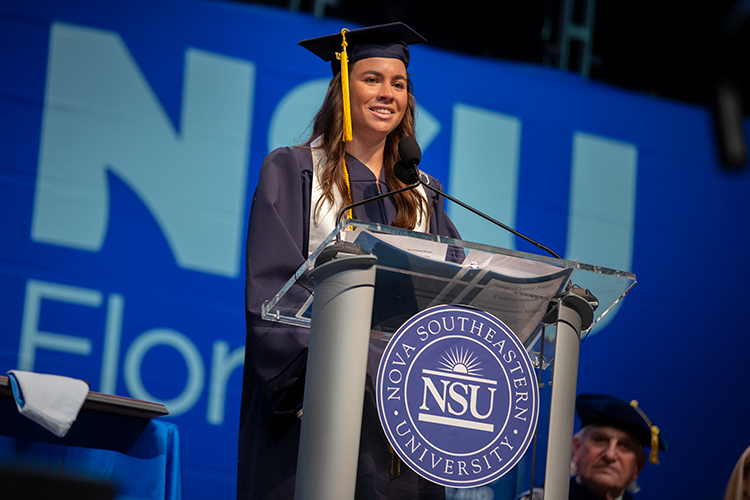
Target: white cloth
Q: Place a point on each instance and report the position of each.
(51, 401)
(327, 222)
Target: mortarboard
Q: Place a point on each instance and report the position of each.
(614, 412)
(385, 40)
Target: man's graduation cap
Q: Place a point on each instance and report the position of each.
(614, 412)
(386, 40)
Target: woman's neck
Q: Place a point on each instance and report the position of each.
(369, 154)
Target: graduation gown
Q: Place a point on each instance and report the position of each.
(576, 492)
(580, 492)
(275, 354)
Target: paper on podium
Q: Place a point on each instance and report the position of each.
(517, 291)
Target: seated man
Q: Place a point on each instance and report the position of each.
(608, 450)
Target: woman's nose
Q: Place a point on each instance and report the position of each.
(386, 93)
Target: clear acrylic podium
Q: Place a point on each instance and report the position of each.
(401, 273)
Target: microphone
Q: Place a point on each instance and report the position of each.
(409, 151)
(411, 154)
(405, 173)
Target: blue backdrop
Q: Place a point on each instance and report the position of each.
(131, 134)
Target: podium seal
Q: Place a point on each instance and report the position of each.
(457, 396)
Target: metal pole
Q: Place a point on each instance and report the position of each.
(335, 379)
(573, 311)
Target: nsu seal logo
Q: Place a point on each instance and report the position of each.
(457, 396)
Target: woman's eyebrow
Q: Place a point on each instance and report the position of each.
(381, 75)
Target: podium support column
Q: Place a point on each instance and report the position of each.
(573, 312)
(335, 378)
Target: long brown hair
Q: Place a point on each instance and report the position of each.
(328, 123)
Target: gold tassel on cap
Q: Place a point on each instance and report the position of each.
(345, 87)
(654, 456)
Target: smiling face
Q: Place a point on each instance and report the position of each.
(607, 459)
(378, 91)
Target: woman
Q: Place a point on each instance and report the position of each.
(350, 157)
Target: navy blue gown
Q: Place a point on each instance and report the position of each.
(275, 354)
(576, 492)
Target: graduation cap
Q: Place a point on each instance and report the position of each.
(614, 412)
(386, 40)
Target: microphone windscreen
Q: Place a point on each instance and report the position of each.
(409, 151)
(405, 173)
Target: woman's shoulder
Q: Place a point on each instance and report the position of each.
(294, 155)
(287, 163)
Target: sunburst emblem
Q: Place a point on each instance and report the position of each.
(462, 361)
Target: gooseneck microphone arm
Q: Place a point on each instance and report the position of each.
(497, 222)
(411, 155)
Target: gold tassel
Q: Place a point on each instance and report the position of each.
(350, 212)
(345, 87)
(654, 456)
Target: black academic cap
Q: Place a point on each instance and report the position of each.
(607, 410)
(385, 40)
